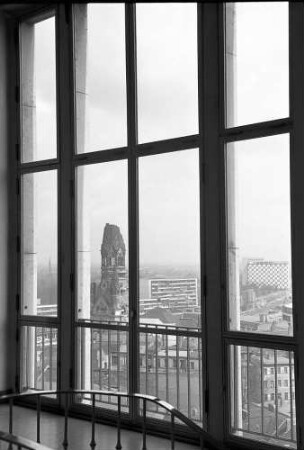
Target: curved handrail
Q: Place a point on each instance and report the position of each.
(21, 442)
(205, 437)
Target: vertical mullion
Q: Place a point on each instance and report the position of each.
(65, 127)
(210, 54)
(203, 374)
(130, 17)
(296, 58)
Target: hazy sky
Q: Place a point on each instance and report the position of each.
(167, 105)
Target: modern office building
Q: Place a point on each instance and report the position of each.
(174, 294)
(268, 274)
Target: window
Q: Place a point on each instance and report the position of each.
(159, 197)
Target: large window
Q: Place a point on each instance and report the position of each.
(159, 210)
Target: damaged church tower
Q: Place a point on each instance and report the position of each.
(113, 285)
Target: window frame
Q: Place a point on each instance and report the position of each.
(211, 140)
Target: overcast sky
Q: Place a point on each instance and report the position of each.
(167, 107)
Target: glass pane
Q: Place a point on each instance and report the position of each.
(171, 368)
(38, 90)
(169, 239)
(259, 241)
(167, 70)
(39, 251)
(102, 242)
(102, 364)
(263, 395)
(257, 62)
(38, 358)
(100, 76)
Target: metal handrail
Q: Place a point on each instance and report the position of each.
(21, 442)
(206, 440)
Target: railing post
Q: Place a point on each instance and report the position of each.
(118, 445)
(65, 439)
(93, 442)
(10, 447)
(144, 446)
(172, 431)
(11, 416)
(38, 417)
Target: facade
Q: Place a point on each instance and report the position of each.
(268, 274)
(174, 294)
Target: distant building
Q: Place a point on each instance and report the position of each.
(112, 294)
(175, 294)
(269, 274)
(287, 312)
(46, 310)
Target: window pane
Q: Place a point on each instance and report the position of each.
(263, 395)
(39, 251)
(100, 76)
(38, 358)
(102, 364)
(171, 369)
(259, 249)
(38, 90)
(257, 62)
(102, 242)
(167, 70)
(169, 239)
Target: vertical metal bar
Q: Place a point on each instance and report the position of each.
(10, 416)
(118, 360)
(167, 367)
(172, 432)
(91, 358)
(130, 16)
(144, 446)
(200, 381)
(262, 390)
(51, 358)
(65, 439)
(118, 445)
(42, 358)
(276, 391)
(177, 372)
(93, 442)
(156, 366)
(147, 362)
(290, 397)
(248, 399)
(188, 378)
(100, 360)
(109, 364)
(38, 417)
(35, 360)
